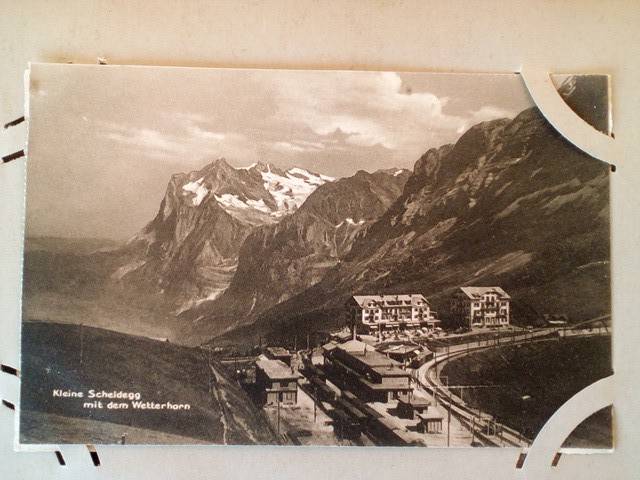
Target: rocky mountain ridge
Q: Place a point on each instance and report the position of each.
(511, 203)
(189, 251)
(278, 261)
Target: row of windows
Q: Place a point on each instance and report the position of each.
(502, 304)
(276, 385)
(494, 321)
(403, 310)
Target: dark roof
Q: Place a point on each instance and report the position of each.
(416, 401)
(391, 371)
(391, 300)
(278, 351)
(375, 359)
(391, 384)
(475, 292)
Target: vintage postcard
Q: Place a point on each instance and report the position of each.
(224, 256)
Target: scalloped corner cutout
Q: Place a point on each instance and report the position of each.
(543, 453)
(581, 439)
(592, 134)
(588, 96)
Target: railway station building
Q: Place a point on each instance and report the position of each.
(370, 375)
(277, 382)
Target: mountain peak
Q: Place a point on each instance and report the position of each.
(261, 166)
(219, 162)
(395, 172)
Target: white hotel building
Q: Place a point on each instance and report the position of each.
(376, 313)
(479, 307)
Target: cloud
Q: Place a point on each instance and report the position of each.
(146, 139)
(489, 112)
(484, 114)
(287, 147)
(371, 108)
(297, 146)
(187, 117)
(184, 138)
(198, 132)
(290, 116)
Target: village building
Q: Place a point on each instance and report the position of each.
(556, 319)
(411, 407)
(480, 307)
(370, 375)
(279, 353)
(406, 354)
(374, 314)
(429, 421)
(341, 336)
(277, 382)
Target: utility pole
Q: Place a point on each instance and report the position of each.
(315, 402)
(210, 375)
(278, 398)
(473, 429)
(448, 412)
(307, 341)
(449, 422)
(81, 344)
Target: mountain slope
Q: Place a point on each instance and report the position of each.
(511, 203)
(278, 261)
(189, 251)
(221, 412)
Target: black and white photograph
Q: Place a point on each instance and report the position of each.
(310, 257)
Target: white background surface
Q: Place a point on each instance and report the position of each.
(495, 36)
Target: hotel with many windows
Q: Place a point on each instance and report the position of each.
(378, 313)
(480, 307)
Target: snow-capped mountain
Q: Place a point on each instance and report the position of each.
(252, 193)
(281, 260)
(511, 203)
(189, 251)
(291, 188)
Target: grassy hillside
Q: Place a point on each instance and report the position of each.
(58, 356)
(549, 373)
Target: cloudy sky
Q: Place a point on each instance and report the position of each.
(104, 140)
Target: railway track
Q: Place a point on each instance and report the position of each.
(482, 425)
(427, 377)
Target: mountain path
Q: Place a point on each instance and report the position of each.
(214, 391)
